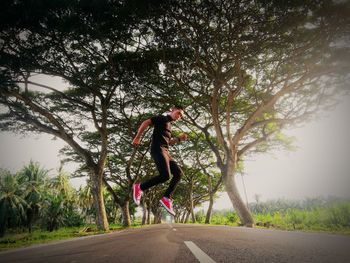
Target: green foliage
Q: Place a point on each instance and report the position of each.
(311, 214)
(60, 205)
(220, 218)
(52, 212)
(33, 178)
(232, 217)
(200, 216)
(113, 213)
(73, 217)
(31, 199)
(323, 215)
(15, 239)
(338, 215)
(85, 202)
(12, 203)
(295, 218)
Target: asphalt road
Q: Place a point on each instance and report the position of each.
(188, 243)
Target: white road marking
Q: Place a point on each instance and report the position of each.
(198, 253)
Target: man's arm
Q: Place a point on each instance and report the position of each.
(142, 128)
(174, 140)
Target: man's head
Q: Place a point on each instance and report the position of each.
(177, 112)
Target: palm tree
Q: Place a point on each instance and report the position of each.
(61, 184)
(12, 203)
(33, 179)
(61, 187)
(85, 201)
(53, 211)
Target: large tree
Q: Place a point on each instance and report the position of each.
(251, 68)
(95, 47)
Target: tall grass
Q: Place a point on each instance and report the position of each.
(16, 238)
(333, 218)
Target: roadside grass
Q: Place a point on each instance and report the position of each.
(307, 221)
(313, 229)
(333, 219)
(17, 238)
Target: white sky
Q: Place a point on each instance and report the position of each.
(320, 167)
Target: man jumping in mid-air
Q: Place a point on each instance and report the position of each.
(161, 139)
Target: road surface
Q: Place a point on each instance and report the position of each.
(190, 243)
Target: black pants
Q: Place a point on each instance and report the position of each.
(166, 166)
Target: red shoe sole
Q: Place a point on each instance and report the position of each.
(166, 208)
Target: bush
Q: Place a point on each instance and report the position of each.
(200, 217)
(73, 218)
(232, 217)
(219, 219)
(295, 218)
(226, 218)
(338, 215)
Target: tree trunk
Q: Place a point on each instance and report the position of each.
(211, 200)
(237, 202)
(29, 219)
(191, 203)
(126, 214)
(149, 214)
(193, 216)
(154, 218)
(187, 216)
(3, 217)
(144, 212)
(177, 217)
(157, 217)
(115, 215)
(97, 194)
(210, 208)
(183, 217)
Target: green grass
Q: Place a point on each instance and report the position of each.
(334, 218)
(16, 239)
(331, 219)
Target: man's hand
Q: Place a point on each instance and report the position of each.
(136, 141)
(183, 137)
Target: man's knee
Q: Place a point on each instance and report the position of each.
(177, 172)
(165, 176)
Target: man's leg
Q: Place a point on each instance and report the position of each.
(177, 174)
(162, 163)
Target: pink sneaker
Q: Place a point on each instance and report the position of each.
(137, 193)
(166, 202)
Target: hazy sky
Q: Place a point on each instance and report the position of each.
(320, 166)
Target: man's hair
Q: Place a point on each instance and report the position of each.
(177, 106)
